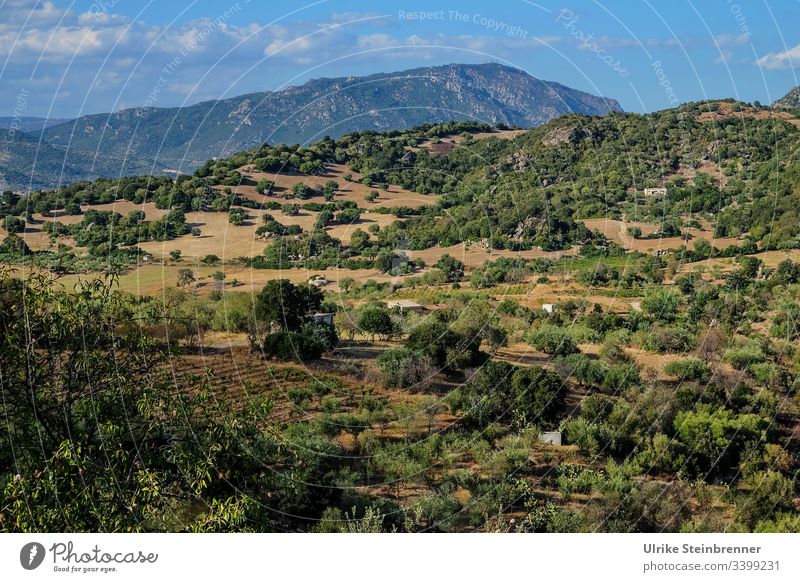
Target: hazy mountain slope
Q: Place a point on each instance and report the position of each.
(29, 124)
(184, 138)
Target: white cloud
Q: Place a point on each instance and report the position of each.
(727, 40)
(780, 60)
(96, 61)
(31, 13)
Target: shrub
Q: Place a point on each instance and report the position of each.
(689, 369)
(661, 304)
(743, 358)
(766, 374)
(620, 377)
(306, 344)
(552, 339)
(402, 368)
(264, 186)
(484, 397)
(714, 438)
(664, 339)
(584, 371)
(14, 224)
(237, 216)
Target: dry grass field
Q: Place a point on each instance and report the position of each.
(617, 231)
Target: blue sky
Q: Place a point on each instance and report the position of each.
(63, 59)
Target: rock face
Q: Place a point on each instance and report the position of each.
(185, 138)
(789, 101)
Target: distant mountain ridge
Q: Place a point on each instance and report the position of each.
(29, 124)
(183, 138)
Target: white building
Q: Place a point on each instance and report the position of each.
(552, 437)
(406, 305)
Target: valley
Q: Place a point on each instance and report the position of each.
(452, 328)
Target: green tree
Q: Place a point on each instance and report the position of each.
(117, 447)
(14, 224)
(185, 277)
(376, 320)
(661, 304)
(286, 306)
(538, 395)
(552, 339)
(264, 186)
(452, 268)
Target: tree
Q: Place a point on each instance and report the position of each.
(14, 224)
(702, 249)
(359, 240)
(301, 191)
(538, 395)
(286, 306)
(485, 396)
(291, 209)
(714, 438)
(264, 186)
(452, 268)
(185, 277)
(402, 368)
(376, 320)
(237, 216)
(386, 261)
(439, 342)
(330, 187)
(109, 428)
(175, 254)
(552, 339)
(372, 196)
(14, 245)
(210, 260)
(661, 304)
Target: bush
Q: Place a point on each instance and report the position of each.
(237, 216)
(767, 375)
(661, 304)
(402, 368)
(743, 358)
(620, 377)
(768, 493)
(14, 224)
(581, 369)
(264, 186)
(689, 369)
(714, 438)
(552, 339)
(306, 344)
(664, 339)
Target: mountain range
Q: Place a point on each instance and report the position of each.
(153, 140)
(29, 124)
